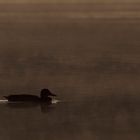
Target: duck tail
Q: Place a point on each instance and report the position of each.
(5, 97)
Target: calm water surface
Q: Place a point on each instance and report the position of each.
(92, 65)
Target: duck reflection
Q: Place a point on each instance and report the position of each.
(44, 107)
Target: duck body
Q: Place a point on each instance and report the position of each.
(44, 97)
(22, 98)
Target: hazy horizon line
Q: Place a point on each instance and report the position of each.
(69, 2)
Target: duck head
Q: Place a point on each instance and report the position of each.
(46, 93)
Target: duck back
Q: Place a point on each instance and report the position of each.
(22, 98)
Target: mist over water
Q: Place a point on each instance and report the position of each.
(92, 64)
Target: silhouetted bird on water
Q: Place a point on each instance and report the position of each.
(44, 97)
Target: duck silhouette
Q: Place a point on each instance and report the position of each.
(44, 97)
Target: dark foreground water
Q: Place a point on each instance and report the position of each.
(93, 65)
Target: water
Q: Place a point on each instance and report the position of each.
(92, 64)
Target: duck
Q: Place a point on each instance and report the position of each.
(45, 97)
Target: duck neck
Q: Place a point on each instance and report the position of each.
(45, 98)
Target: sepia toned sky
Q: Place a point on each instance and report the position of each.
(70, 9)
(70, 1)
